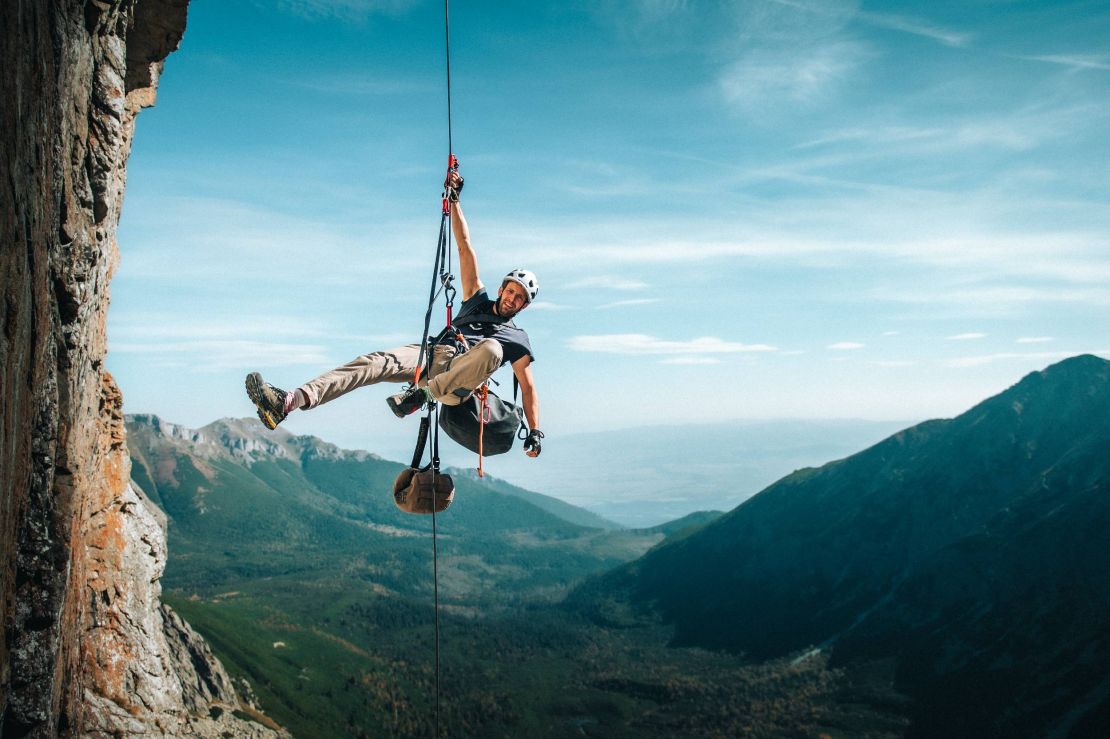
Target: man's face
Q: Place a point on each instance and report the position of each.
(511, 299)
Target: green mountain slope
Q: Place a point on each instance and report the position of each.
(687, 524)
(243, 501)
(971, 550)
(289, 556)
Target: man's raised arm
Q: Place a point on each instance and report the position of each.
(468, 260)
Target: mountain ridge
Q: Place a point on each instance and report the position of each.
(245, 440)
(652, 475)
(251, 491)
(859, 554)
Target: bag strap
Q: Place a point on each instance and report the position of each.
(434, 464)
(421, 442)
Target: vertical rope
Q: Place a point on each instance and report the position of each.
(445, 244)
(450, 140)
(435, 555)
(447, 38)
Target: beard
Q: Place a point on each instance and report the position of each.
(503, 311)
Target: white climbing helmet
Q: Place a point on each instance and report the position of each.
(526, 279)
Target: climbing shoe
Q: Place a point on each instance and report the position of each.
(269, 400)
(410, 401)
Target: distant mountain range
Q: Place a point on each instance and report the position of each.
(276, 503)
(973, 552)
(642, 477)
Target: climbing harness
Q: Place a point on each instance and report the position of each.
(484, 423)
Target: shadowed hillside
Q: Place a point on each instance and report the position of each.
(972, 550)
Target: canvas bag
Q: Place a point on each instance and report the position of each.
(463, 421)
(423, 490)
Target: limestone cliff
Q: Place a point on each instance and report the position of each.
(87, 649)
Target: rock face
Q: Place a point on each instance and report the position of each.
(86, 649)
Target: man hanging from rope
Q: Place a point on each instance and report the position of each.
(454, 376)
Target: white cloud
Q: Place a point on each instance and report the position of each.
(214, 355)
(917, 27)
(774, 78)
(965, 234)
(904, 23)
(642, 344)
(345, 9)
(991, 299)
(894, 363)
(999, 133)
(690, 360)
(1074, 61)
(877, 135)
(845, 346)
(969, 336)
(177, 333)
(607, 282)
(361, 84)
(238, 236)
(625, 303)
(892, 333)
(548, 305)
(901, 137)
(1034, 339)
(149, 328)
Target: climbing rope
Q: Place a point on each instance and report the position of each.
(442, 276)
(447, 45)
(435, 561)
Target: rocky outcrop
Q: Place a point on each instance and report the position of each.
(147, 673)
(84, 650)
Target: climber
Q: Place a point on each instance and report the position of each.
(456, 372)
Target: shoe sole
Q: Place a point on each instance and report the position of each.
(396, 408)
(254, 392)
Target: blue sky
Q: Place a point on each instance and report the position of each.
(765, 209)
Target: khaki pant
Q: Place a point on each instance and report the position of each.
(453, 376)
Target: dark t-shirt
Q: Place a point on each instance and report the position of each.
(513, 341)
